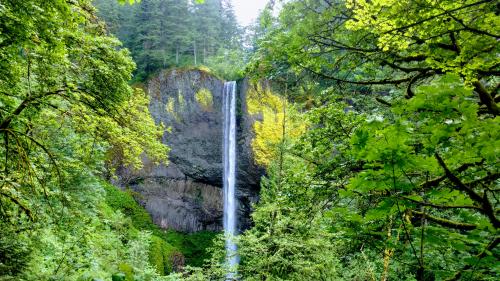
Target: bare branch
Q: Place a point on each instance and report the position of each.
(487, 208)
(438, 206)
(445, 222)
(486, 98)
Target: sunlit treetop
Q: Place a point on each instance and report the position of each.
(400, 43)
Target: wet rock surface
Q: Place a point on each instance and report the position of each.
(186, 195)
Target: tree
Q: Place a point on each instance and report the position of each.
(418, 165)
(345, 42)
(67, 116)
(50, 73)
(167, 33)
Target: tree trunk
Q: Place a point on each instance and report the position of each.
(194, 52)
(204, 50)
(177, 55)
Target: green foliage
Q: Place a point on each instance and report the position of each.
(14, 252)
(164, 244)
(382, 151)
(162, 34)
(130, 2)
(373, 43)
(205, 98)
(160, 255)
(196, 247)
(228, 64)
(133, 134)
(118, 277)
(59, 119)
(427, 33)
(127, 270)
(66, 109)
(102, 245)
(403, 183)
(193, 246)
(403, 157)
(291, 239)
(125, 203)
(286, 244)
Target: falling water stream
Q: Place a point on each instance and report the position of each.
(229, 103)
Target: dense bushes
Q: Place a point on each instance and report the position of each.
(165, 244)
(124, 202)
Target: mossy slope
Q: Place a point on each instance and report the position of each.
(165, 244)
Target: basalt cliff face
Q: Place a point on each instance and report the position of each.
(186, 194)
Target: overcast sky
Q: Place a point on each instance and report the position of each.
(248, 10)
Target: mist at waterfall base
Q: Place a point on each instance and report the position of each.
(229, 108)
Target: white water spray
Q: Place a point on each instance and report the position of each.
(229, 103)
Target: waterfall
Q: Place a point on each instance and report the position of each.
(229, 104)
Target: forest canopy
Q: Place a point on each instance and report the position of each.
(399, 167)
(68, 116)
(377, 123)
(175, 33)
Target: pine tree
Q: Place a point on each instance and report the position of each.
(166, 33)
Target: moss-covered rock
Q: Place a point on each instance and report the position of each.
(125, 202)
(160, 250)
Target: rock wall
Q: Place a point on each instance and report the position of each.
(186, 195)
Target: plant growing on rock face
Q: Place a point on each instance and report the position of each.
(205, 99)
(276, 118)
